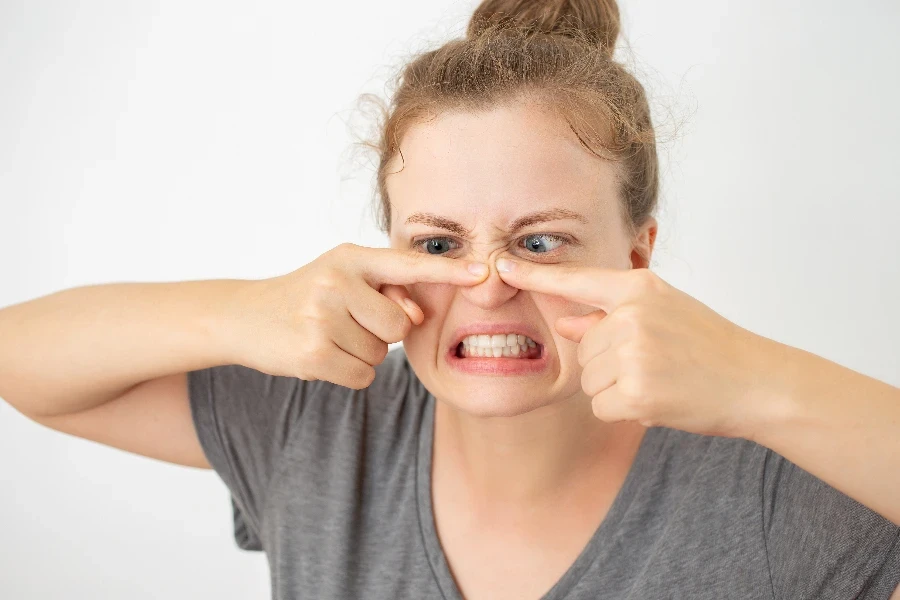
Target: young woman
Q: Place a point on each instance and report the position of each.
(560, 422)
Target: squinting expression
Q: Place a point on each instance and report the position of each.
(511, 181)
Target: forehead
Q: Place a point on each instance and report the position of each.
(497, 165)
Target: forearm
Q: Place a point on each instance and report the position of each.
(81, 347)
(840, 425)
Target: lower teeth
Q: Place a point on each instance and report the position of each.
(521, 351)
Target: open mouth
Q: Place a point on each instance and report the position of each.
(498, 346)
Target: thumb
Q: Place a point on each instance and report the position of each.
(400, 295)
(573, 328)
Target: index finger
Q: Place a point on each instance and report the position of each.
(401, 267)
(595, 286)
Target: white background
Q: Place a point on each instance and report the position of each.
(160, 141)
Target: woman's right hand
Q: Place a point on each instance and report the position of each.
(333, 318)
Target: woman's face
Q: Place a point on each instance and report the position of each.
(513, 181)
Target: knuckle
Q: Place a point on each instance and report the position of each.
(316, 357)
(631, 317)
(631, 388)
(398, 326)
(311, 325)
(393, 336)
(362, 378)
(581, 355)
(381, 351)
(341, 255)
(402, 328)
(317, 347)
(305, 375)
(592, 345)
(328, 280)
(587, 382)
(598, 408)
(331, 255)
(345, 248)
(648, 281)
(633, 352)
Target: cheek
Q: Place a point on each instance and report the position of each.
(553, 307)
(433, 298)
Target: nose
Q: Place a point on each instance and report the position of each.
(491, 293)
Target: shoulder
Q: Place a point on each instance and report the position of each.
(820, 539)
(814, 541)
(702, 457)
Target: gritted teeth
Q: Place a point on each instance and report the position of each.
(498, 340)
(501, 344)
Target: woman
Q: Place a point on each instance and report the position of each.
(560, 422)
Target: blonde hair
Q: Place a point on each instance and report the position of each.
(558, 52)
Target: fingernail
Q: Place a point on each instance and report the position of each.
(479, 269)
(504, 265)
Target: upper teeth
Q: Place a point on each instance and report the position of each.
(497, 345)
(498, 340)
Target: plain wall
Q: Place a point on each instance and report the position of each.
(170, 140)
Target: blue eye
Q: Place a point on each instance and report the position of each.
(542, 242)
(437, 245)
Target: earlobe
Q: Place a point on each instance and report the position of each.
(642, 247)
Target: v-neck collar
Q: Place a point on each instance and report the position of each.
(438, 560)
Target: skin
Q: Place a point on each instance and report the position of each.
(625, 351)
(616, 336)
(484, 171)
(515, 160)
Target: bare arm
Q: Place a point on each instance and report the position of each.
(108, 362)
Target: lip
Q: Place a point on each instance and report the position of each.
(496, 366)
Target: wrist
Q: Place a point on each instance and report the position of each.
(774, 393)
(224, 316)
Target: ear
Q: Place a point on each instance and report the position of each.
(643, 244)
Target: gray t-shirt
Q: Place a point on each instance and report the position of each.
(334, 485)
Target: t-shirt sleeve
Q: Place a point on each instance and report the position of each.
(244, 419)
(821, 543)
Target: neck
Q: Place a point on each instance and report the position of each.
(533, 459)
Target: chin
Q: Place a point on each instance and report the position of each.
(496, 398)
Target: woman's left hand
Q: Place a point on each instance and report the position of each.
(653, 353)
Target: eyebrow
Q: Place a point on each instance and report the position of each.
(553, 214)
(542, 216)
(438, 222)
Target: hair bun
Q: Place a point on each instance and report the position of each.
(595, 20)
